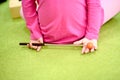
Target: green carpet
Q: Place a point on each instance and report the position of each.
(63, 63)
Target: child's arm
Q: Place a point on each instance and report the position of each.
(31, 17)
(95, 19)
(94, 22)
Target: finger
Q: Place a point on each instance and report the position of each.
(41, 40)
(34, 41)
(92, 50)
(95, 44)
(96, 47)
(34, 47)
(38, 48)
(83, 49)
(28, 45)
(78, 42)
(86, 50)
(31, 46)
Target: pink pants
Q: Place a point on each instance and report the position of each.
(110, 7)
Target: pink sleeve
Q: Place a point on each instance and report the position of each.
(31, 17)
(95, 19)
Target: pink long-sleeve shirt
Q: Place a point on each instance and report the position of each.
(63, 21)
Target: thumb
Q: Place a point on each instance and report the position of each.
(40, 40)
(78, 42)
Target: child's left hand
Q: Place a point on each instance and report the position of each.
(84, 42)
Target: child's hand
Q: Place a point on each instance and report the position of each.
(35, 41)
(84, 42)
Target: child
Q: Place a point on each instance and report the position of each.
(63, 22)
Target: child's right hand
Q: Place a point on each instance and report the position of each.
(35, 41)
(84, 42)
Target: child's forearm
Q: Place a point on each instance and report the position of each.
(31, 18)
(95, 19)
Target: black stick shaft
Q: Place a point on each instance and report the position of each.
(34, 44)
(42, 44)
